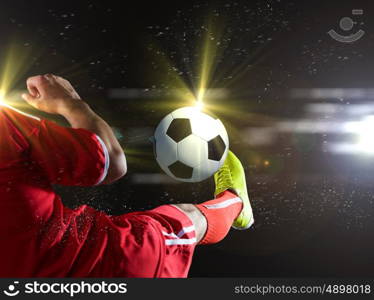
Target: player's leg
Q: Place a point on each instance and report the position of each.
(165, 242)
(231, 207)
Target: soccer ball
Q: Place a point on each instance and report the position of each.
(190, 145)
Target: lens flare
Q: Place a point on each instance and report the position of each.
(2, 99)
(199, 105)
(364, 132)
(194, 79)
(14, 63)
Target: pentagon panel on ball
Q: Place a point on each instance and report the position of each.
(180, 170)
(179, 129)
(216, 148)
(190, 145)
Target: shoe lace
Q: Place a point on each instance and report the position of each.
(224, 175)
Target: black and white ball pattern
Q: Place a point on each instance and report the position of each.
(190, 145)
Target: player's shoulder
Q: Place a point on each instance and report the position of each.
(16, 113)
(14, 120)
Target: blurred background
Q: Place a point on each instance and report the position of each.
(291, 80)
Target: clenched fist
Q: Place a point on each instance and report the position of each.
(51, 94)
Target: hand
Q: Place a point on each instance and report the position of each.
(51, 94)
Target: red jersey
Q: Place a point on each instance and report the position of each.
(39, 237)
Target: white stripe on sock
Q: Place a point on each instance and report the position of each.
(223, 204)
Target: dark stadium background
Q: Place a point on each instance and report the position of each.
(313, 208)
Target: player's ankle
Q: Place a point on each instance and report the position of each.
(228, 192)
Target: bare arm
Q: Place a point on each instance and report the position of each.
(55, 95)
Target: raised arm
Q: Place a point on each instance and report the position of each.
(53, 94)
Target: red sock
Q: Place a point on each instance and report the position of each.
(220, 213)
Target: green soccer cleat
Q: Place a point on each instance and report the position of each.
(231, 177)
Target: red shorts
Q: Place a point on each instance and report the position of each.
(162, 244)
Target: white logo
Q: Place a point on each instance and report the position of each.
(347, 24)
(12, 290)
